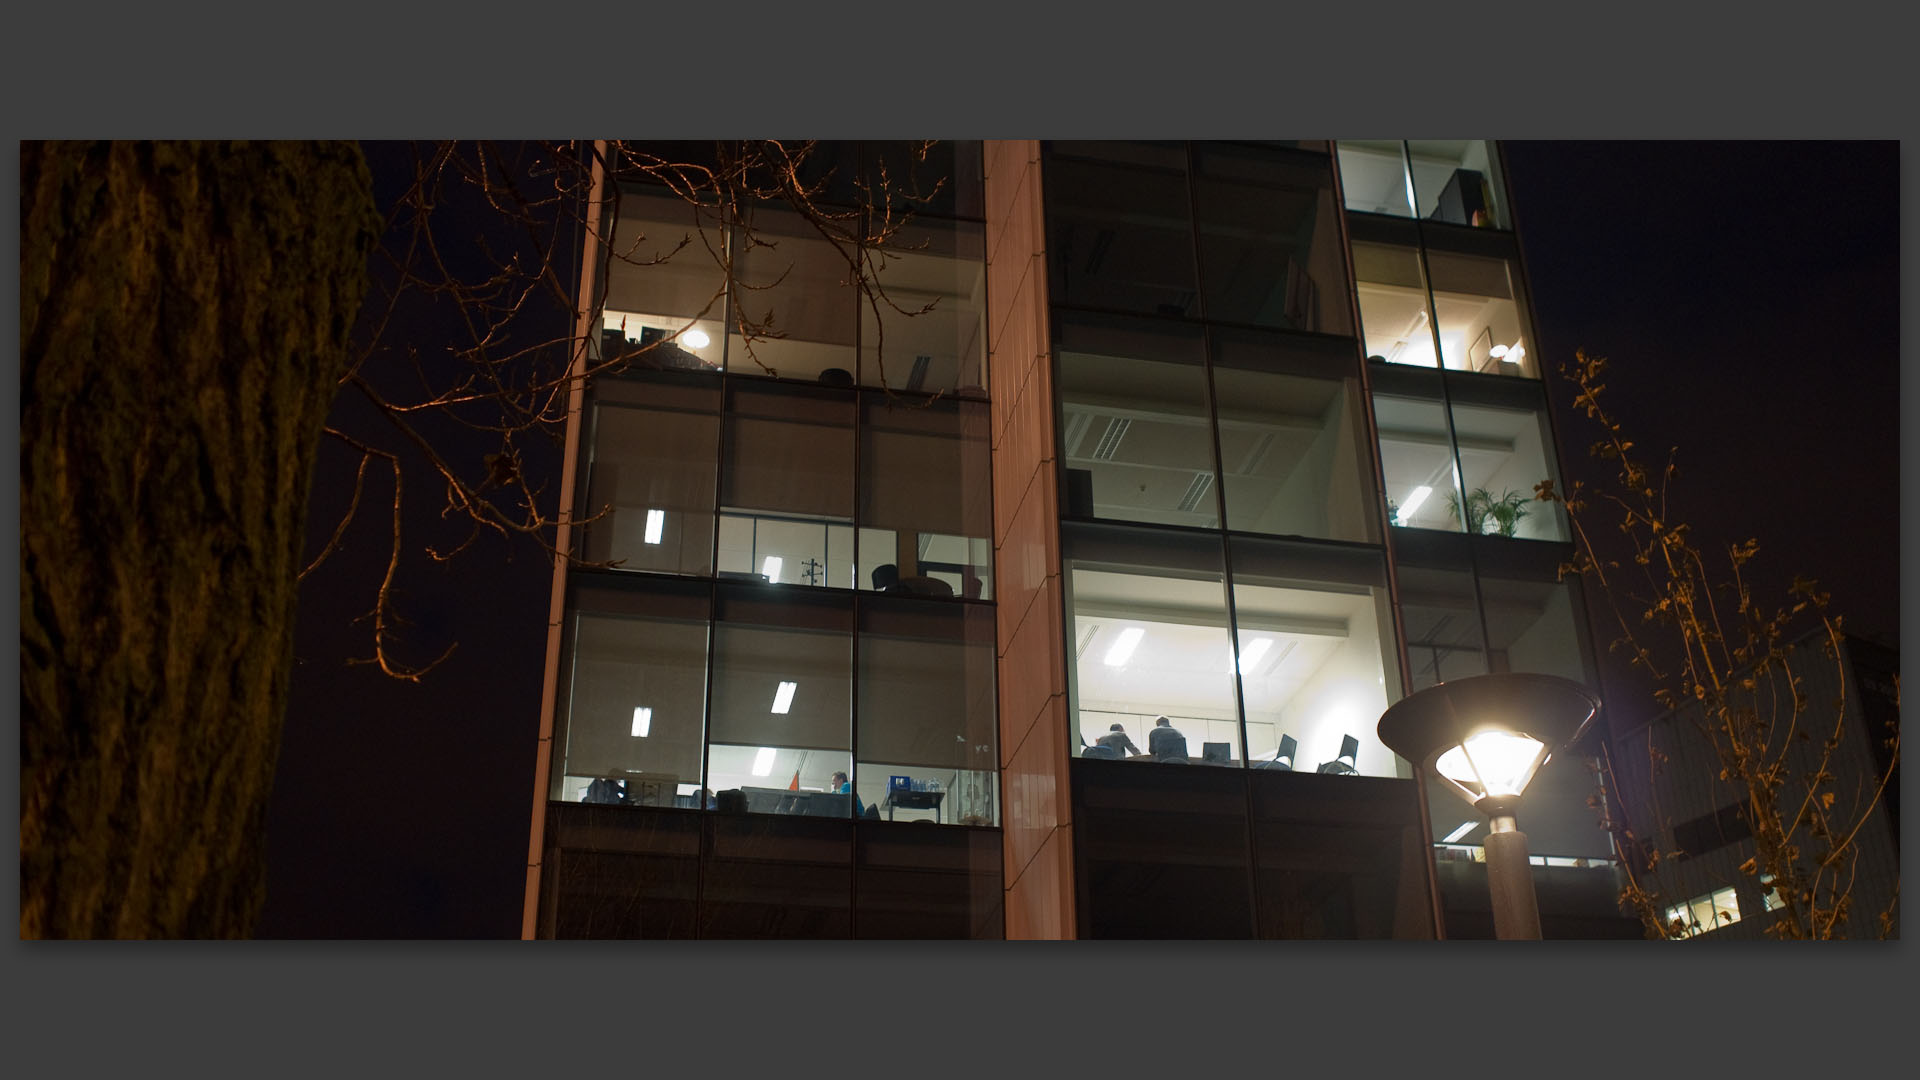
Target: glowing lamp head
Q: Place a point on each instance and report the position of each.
(1491, 765)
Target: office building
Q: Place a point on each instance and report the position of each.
(1241, 437)
(1667, 772)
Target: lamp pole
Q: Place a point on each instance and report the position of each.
(1516, 909)
(1485, 737)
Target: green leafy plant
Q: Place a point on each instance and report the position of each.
(1504, 511)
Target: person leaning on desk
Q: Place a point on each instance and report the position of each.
(1116, 740)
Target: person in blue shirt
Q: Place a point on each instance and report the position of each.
(840, 785)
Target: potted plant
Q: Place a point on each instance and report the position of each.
(1490, 514)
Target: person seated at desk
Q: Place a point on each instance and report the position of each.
(1165, 740)
(839, 785)
(1116, 740)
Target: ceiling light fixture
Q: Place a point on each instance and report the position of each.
(1255, 649)
(696, 339)
(642, 721)
(656, 521)
(1465, 828)
(1123, 648)
(763, 762)
(783, 697)
(1412, 505)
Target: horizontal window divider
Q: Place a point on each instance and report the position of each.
(1061, 308)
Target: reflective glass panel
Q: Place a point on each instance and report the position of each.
(1395, 321)
(782, 700)
(787, 485)
(1440, 616)
(925, 496)
(928, 331)
(1120, 227)
(651, 472)
(1271, 253)
(1316, 670)
(636, 702)
(926, 712)
(1134, 421)
(1292, 437)
(796, 312)
(1416, 459)
(1151, 643)
(1503, 457)
(1481, 322)
(1458, 181)
(1373, 176)
(666, 286)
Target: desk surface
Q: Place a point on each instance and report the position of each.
(914, 800)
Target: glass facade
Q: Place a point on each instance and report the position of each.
(1297, 449)
(788, 520)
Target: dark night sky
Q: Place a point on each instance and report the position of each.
(1745, 293)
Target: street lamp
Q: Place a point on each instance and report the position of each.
(1485, 737)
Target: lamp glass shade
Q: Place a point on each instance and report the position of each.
(1495, 764)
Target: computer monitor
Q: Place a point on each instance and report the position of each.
(1219, 752)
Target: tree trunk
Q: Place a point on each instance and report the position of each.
(185, 311)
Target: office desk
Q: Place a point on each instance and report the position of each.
(914, 800)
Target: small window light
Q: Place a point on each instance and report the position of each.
(656, 521)
(696, 339)
(763, 762)
(771, 568)
(642, 722)
(783, 697)
(1123, 648)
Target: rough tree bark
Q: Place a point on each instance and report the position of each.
(185, 311)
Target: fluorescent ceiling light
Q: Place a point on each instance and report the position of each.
(783, 697)
(656, 520)
(696, 339)
(763, 762)
(1412, 505)
(771, 568)
(1123, 648)
(642, 721)
(1255, 649)
(1465, 828)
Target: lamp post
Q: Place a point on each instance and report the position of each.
(1485, 737)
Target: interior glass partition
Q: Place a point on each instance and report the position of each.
(1151, 642)
(1134, 423)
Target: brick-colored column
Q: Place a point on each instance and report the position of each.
(1026, 540)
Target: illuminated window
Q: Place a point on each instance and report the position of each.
(1705, 914)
